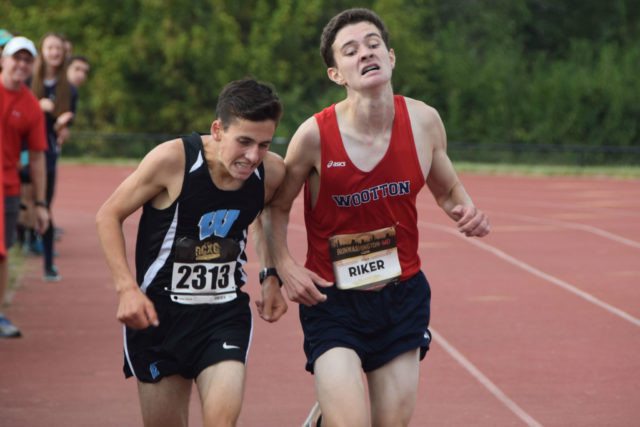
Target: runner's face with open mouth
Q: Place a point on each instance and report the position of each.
(362, 59)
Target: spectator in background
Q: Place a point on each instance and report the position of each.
(78, 67)
(27, 237)
(58, 101)
(78, 70)
(21, 120)
(68, 46)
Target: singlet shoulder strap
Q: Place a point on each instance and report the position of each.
(193, 150)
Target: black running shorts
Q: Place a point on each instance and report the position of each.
(189, 339)
(377, 325)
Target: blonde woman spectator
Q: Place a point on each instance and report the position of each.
(57, 99)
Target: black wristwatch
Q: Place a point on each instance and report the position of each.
(41, 203)
(266, 272)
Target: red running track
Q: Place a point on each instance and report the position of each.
(536, 324)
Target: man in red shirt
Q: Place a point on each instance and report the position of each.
(21, 120)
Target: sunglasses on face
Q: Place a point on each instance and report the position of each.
(24, 57)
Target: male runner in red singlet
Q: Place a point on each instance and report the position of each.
(364, 302)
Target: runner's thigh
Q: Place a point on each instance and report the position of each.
(165, 403)
(393, 389)
(221, 387)
(340, 388)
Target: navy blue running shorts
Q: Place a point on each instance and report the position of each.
(377, 325)
(189, 339)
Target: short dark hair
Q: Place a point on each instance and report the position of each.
(341, 20)
(250, 100)
(81, 58)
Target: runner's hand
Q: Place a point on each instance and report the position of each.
(136, 309)
(273, 305)
(301, 284)
(471, 221)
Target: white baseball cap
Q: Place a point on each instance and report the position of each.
(19, 43)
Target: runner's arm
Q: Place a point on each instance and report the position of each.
(153, 179)
(443, 182)
(302, 155)
(272, 305)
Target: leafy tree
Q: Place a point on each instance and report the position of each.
(526, 71)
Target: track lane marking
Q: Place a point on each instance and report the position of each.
(582, 227)
(560, 283)
(484, 380)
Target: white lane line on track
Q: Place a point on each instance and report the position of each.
(582, 227)
(562, 206)
(536, 272)
(486, 382)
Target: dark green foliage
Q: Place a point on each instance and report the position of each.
(498, 71)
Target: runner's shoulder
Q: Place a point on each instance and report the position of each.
(274, 168)
(422, 111)
(308, 134)
(167, 157)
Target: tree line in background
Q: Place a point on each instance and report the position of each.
(510, 71)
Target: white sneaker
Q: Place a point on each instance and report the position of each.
(314, 416)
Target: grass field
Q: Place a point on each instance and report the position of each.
(624, 172)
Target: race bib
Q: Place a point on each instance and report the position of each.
(365, 261)
(204, 271)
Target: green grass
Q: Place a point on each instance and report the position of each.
(623, 172)
(17, 266)
(87, 160)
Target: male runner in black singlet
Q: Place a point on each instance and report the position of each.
(185, 316)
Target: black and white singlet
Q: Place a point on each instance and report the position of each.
(194, 250)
